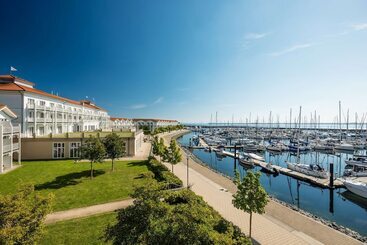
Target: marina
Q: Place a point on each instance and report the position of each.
(215, 147)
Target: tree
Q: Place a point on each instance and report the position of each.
(251, 197)
(22, 215)
(158, 147)
(173, 154)
(114, 147)
(93, 150)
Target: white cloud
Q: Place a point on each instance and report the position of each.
(138, 106)
(292, 49)
(360, 26)
(159, 100)
(254, 35)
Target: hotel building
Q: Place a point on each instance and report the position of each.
(41, 113)
(154, 123)
(119, 123)
(9, 139)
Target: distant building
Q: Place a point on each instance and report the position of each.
(154, 123)
(41, 113)
(119, 123)
(9, 139)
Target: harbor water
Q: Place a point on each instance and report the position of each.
(339, 205)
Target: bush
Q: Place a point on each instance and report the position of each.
(162, 174)
(172, 217)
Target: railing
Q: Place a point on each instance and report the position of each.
(15, 146)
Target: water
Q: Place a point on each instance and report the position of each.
(340, 206)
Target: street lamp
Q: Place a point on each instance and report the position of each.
(187, 169)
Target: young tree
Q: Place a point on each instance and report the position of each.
(22, 215)
(173, 154)
(114, 147)
(251, 197)
(93, 150)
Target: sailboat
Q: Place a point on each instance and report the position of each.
(311, 170)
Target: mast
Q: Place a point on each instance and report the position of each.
(299, 132)
(340, 120)
(290, 119)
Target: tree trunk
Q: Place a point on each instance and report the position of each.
(172, 168)
(113, 167)
(91, 170)
(250, 223)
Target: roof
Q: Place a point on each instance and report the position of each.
(13, 78)
(119, 118)
(7, 111)
(153, 120)
(12, 86)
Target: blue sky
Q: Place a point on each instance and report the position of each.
(187, 59)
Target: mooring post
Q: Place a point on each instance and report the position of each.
(331, 170)
(235, 155)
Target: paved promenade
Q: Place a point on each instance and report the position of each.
(280, 225)
(87, 211)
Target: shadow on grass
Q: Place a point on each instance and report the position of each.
(138, 163)
(68, 179)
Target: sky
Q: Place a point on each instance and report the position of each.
(188, 59)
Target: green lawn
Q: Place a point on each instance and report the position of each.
(88, 230)
(71, 184)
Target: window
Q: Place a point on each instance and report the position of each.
(42, 102)
(41, 131)
(74, 149)
(59, 150)
(30, 131)
(52, 104)
(31, 114)
(30, 101)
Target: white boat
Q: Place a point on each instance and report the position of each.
(311, 170)
(356, 187)
(256, 157)
(344, 147)
(356, 160)
(355, 170)
(275, 147)
(246, 160)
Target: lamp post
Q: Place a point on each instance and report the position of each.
(187, 170)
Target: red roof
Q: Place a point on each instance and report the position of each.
(17, 87)
(153, 120)
(118, 118)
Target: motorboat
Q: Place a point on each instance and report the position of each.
(356, 160)
(355, 170)
(311, 170)
(344, 147)
(247, 161)
(256, 157)
(357, 187)
(298, 147)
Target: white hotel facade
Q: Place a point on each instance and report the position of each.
(40, 113)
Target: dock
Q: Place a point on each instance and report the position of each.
(323, 183)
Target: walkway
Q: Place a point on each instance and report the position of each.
(280, 225)
(87, 211)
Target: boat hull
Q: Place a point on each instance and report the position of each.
(303, 170)
(358, 189)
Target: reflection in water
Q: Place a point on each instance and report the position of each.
(342, 209)
(360, 201)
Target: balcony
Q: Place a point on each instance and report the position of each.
(9, 130)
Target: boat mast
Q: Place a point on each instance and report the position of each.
(299, 132)
(340, 120)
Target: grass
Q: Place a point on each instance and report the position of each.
(88, 230)
(71, 184)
